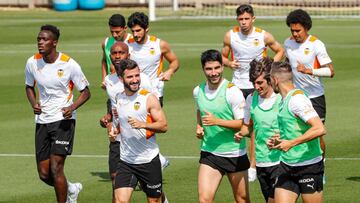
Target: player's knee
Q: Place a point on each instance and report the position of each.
(121, 199)
(205, 199)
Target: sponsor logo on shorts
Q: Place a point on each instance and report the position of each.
(306, 180)
(311, 186)
(153, 186)
(62, 142)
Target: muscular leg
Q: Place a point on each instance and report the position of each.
(285, 196)
(208, 182)
(123, 195)
(57, 170)
(153, 200)
(239, 185)
(44, 172)
(316, 197)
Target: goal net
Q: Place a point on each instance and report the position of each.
(164, 9)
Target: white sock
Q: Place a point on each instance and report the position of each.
(71, 187)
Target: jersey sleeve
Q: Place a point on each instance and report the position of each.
(301, 107)
(321, 53)
(247, 115)
(78, 77)
(235, 98)
(195, 95)
(29, 77)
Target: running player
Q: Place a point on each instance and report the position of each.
(140, 116)
(261, 110)
(55, 75)
(117, 26)
(148, 52)
(309, 61)
(301, 166)
(246, 43)
(220, 112)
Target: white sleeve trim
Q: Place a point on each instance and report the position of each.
(301, 106)
(236, 100)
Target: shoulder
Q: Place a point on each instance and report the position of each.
(235, 29)
(111, 78)
(34, 58)
(298, 98)
(130, 41)
(259, 30)
(196, 91)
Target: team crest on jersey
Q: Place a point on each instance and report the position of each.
(306, 51)
(60, 73)
(137, 106)
(152, 51)
(256, 42)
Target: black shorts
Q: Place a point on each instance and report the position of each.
(267, 177)
(225, 164)
(246, 92)
(319, 105)
(149, 175)
(114, 156)
(301, 179)
(54, 138)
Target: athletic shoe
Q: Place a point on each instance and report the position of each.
(72, 196)
(165, 164)
(252, 174)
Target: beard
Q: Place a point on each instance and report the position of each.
(131, 88)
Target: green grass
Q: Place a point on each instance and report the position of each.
(81, 35)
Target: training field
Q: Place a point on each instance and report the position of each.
(81, 36)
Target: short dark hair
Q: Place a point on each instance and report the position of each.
(117, 20)
(138, 18)
(281, 67)
(210, 55)
(126, 64)
(51, 28)
(299, 16)
(257, 68)
(244, 8)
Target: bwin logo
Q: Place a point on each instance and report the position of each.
(306, 180)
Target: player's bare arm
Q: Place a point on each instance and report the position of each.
(326, 70)
(159, 124)
(209, 120)
(31, 95)
(274, 46)
(316, 130)
(199, 129)
(171, 58)
(83, 97)
(244, 132)
(226, 52)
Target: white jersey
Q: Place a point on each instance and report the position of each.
(55, 82)
(135, 148)
(264, 104)
(149, 58)
(312, 53)
(246, 48)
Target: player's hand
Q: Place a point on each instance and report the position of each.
(209, 119)
(136, 123)
(67, 111)
(37, 109)
(301, 68)
(234, 64)
(113, 132)
(199, 132)
(103, 85)
(238, 136)
(105, 120)
(273, 141)
(165, 76)
(283, 145)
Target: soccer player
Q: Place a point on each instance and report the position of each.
(261, 110)
(309, 61)
(118, 32)
(246, 42)
(301, 166)
(140, 116)
(119, 51)
(55, 75)
(220, 112)
(148, 52)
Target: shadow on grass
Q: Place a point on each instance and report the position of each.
(103, 175)
(356, 178)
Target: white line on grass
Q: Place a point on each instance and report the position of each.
(170, 157)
